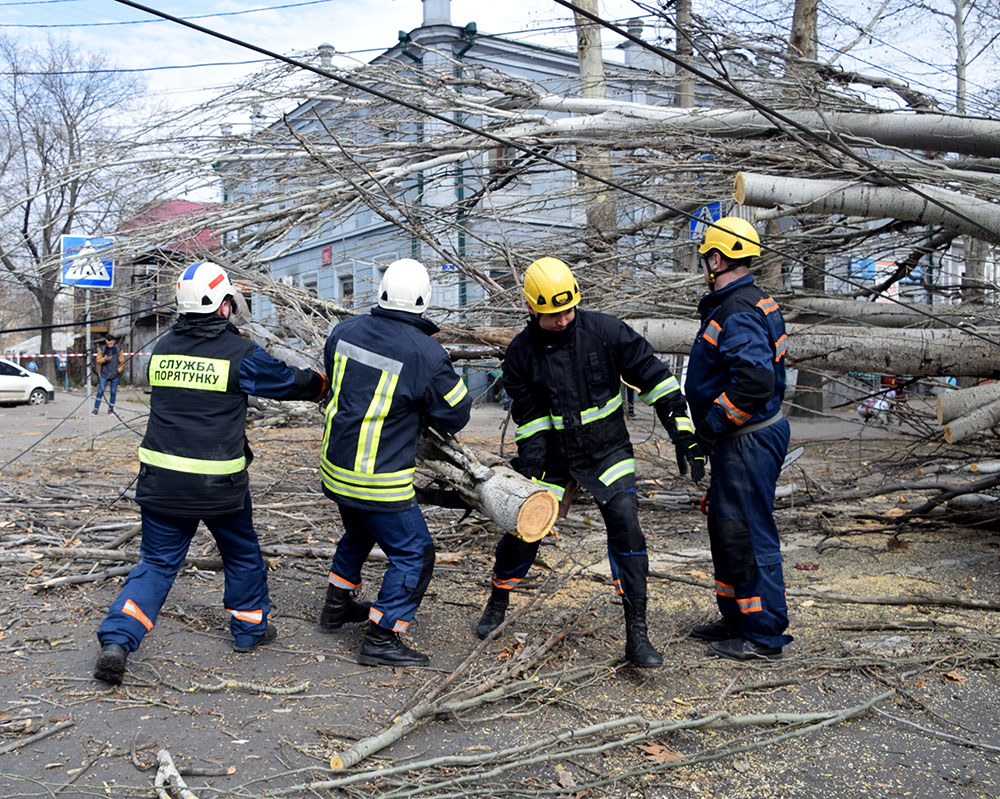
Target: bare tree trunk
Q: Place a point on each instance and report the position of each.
(803, 38)
(952, 404)
(684, 94)
(601, 213)
(974, 278)
(809, 384)
(977, 217)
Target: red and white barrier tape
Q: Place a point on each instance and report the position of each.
(66, 355)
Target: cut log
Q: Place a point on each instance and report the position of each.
(517, 505)
(952, 404)
(985, 467)
(982, 418)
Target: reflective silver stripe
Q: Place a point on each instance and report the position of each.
(457, 394)
(660, 390)
(618, 471)
(609, 407)
(555, 489)
(529, 429)
(191, 465)
(371, 425)
(684, 424)
(369, 358)
(374, 494)
(402, 477)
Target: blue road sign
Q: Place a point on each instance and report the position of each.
(82, 264)
(707, 213)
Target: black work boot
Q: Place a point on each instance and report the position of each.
(270, 633)
(382, 647)
(111, 664)
(638, 650)
(494, 612)
(721, 630)
(340, 609)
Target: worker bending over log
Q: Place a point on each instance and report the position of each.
(563, 373)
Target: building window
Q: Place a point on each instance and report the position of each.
(310, 282)
(347, 288)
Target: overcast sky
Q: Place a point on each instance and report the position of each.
(361, 27)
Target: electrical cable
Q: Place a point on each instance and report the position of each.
(572, 167)
(150, 21)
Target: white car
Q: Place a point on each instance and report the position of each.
(20, 385)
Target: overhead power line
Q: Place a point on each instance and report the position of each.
(150, 21)
(724, 86)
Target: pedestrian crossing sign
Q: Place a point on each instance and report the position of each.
(82, 263)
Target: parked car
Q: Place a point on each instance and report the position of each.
(20, 385)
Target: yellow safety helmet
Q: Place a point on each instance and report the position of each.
(733, 237)
(549, 286)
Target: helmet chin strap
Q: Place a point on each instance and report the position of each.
(707, 260)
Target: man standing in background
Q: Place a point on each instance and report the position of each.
(110, 362)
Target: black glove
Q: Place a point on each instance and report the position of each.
(689, 454)
(706, 438)
(527, 468)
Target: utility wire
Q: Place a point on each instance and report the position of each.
(572, 167)
(150, 21)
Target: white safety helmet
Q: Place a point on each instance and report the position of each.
(202, 287)
(405, 286)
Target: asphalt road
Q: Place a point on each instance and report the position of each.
(23, 427)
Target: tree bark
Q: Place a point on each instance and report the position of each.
(982, 418)
(601, 213)
(844, 349)
(952, 404)
(684, 93)
(876, 202)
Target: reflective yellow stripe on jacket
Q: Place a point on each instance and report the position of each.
(363, 482)
(660, 390)
(551, 422)
(191, 465)
(617, 471)
(457, 394)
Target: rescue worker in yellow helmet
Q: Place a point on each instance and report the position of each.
(735, 385)
(564, 373)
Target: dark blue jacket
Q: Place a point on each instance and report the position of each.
(736, 374)
(387, 376)
(194, 456)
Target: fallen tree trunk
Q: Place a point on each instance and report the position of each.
(833, 348)
(969, 215)
(952, 404)
(982, 418)
(833, 310)
(846, 349)
(514, 503)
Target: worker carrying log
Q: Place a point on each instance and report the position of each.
(735, 385)
(387, 375)
(563, 373)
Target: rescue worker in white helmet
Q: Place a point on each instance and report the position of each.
(388, 378)
(735, 385)
(564, 374)
(193, 466)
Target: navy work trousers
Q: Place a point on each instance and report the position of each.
(165, 542)
(406, 541)
(746, 552)
(625, 541)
